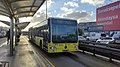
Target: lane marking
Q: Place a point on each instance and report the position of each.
(3, 44)
(45, 58)
(49, 62)
(39, 59)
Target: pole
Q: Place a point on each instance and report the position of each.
(15, 33)
(46, 9)
(11, 35)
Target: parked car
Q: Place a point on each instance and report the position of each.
(117, 40)
(81, 38)
(116, 36)
(106, 40)
(93, 36)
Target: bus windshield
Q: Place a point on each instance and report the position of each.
(64, 32)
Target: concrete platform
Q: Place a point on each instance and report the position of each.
(24, 56)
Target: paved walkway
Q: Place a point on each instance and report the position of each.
(24, 55)
(4, 49)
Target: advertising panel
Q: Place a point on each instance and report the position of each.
(109, 16)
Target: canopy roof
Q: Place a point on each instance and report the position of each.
(19, 8)
(21, 25)
(5, 22)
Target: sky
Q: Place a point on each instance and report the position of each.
(80, 10)
(4, 18)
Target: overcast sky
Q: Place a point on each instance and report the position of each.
(81, 10)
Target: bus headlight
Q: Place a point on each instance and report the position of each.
(52, 47)
(76, 47)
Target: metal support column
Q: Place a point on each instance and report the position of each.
(46, 9)
(16, 21)
(11, 35)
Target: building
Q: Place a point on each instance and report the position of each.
(89, 27)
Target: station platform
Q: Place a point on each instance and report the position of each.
(24, 55)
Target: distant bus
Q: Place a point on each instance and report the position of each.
(55, 35)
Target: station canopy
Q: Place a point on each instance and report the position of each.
(21, 25)
(19, 8)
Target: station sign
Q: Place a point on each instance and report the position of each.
(109, 16)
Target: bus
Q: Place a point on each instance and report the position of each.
(55, 35)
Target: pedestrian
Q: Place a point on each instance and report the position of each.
(8, 36)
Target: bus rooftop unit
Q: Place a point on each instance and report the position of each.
(55, 35)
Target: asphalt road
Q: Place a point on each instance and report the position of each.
(75, 59)
(2, 40)
(3, 48)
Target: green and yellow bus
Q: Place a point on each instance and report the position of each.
(55, 35)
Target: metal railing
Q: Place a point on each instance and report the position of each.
(100, 49)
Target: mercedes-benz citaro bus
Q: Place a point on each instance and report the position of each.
(55, 35)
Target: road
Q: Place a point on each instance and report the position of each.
(75, 59)
(2, 43)
(2, 40)
(3, 47)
